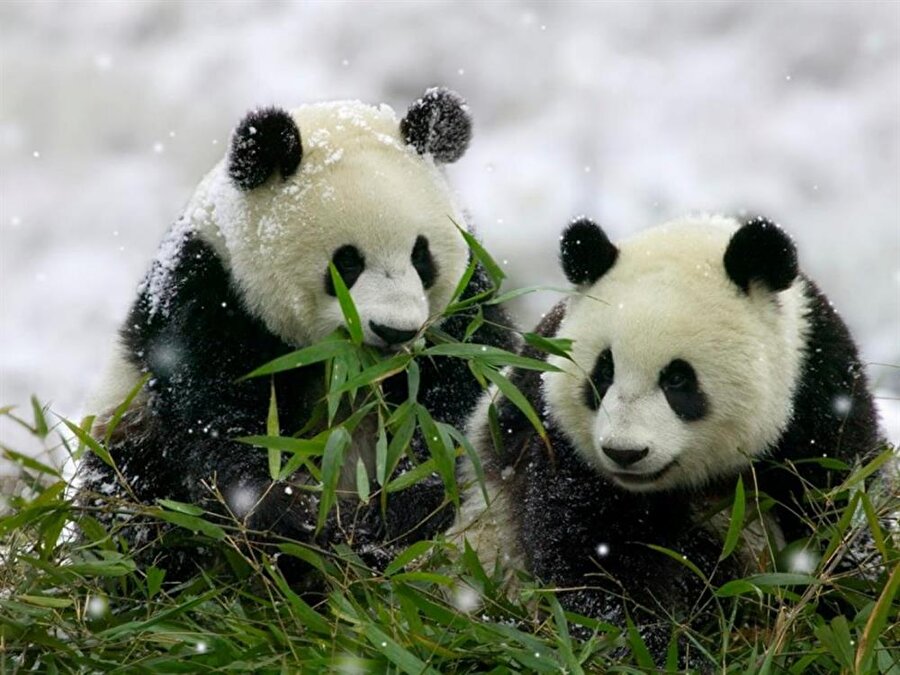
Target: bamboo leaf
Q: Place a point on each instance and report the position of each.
(273, 428)
(737, 520)
(517, 398)
(362, 480)
(492, 268)
(877, 620)
(123, 407)
(321, 351)
(348, 308)
(332, 461)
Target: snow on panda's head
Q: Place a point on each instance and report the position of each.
(347, 183)
(687, 345)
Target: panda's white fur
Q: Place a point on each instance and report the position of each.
(668, 297)
(359, 183)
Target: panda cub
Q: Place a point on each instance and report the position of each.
(243, 277)
(699, 354)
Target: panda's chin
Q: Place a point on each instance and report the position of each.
(644, 482)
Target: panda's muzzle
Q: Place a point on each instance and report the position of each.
(392, 336)
(625, 457)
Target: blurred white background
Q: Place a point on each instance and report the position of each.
(110, 113)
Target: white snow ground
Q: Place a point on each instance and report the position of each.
(110, 112)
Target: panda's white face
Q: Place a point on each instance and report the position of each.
(361, 198)
(679, 376)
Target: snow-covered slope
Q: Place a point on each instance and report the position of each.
(111, 112)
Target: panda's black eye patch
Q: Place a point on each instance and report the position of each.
(349, 262)
(421, 259)
(678, 381)
(601, 380)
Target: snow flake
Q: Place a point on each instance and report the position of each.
(841, 404)
(466, 599)
(158, 148)
(103, 62)
(242, 499)
(97, 606)
(802, 561)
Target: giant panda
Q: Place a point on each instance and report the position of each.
(242, 277)
(699, 354)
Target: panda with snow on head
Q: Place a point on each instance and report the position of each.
(699, 354)
(243, 277)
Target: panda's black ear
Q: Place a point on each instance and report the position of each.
(438, 124)
(761, 251)
(265, 140)
(585, 252)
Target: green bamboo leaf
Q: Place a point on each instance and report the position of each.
(332, 461)
(351, 316)
(414, 551)
(876, 622)
(440, 447)
(405, 660)
(556, 346)
(463, 282)
(192, 523)
(377, 373)
(517, 398)
(30, 463)
(476, 323)
(362, 480)
(473, 455)
(123, 407)
(310, 618)
(638, 648)
(155, 578)
(737, 520)
(683, 559)
(321, 351)
(46, 601)
(864, 472)
(406, 427)
(490, 355)
(412, 378)
(492, 268)
(874, 526)
(273, 428)
(40, 419)
(738, 587)
(181, 507)
(525, 290)
(381, 452)
(88, 440)
(412, 476)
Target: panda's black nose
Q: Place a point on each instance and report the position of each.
(392, 336)
(625, 457)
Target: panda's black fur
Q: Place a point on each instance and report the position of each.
(578, 531)
(178, 439)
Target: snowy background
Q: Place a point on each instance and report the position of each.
(110, 112)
